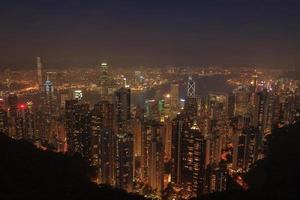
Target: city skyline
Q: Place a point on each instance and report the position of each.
(164, 100)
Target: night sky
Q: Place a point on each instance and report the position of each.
(66, 33)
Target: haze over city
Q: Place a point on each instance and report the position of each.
(134, 33)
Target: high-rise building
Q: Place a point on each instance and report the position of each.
(179, 124)
(153, 155)
(48, 111)
(3, 118)
(242, 100)
(216, 178)
(77, 119)
(174, 95)
(188, 156)
(153, 110)
(12, 101)
(39, 72)
(191, 102)
(106, 83)
(191, 87)
(25, 122)
(218, 105)
(191, 107)
(102, 141)
(167, 139)
(136, 126)
(263, 112)
(124, 156)
(245, 148)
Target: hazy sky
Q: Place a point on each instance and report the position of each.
(150, 32)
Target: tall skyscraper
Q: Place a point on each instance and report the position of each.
(174, 95)
(25, 122)
(124, 157)
(39, 72)
(245, 149)
(191, 87)
(188, 156)
(78, 128)
(153, 155)
(48, 110)
(191, 102)
(242, 100)
(218, 105)
(3, 119)
(12, 101)
(102, 141)
(106, 83)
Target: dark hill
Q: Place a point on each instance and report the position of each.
(29, 173)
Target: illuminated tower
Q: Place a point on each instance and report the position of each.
(193, 160)
(188, 156)
(21, 121)
(153, 155)
(178, 126)
(78, 128)
(174, 95)
(3, 118)
(39, 72)
(12, 114)
(104, 81)
(245, 149)
(218, 105)
(25, 122)
(191, 87)
(191, 103)
(104, 71)
(48, 110)
(242, 100)
(124, 157)
(254, 80)
(102, 138)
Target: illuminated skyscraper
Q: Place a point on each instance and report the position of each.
(78, 128)
(191, 102)
(193, 168)
(218, 105)
(136, 127)
(3, 119)
(245, 149)
(102, 141)
(25, 122)
(39, 72)
(188, 156)
(174, 95)
(191, 87)
(152, 110)
(12, 101)
(263, 112)
(167, 139)
(191, 107)
(242, 100)
(106, 83)
(179, 124)
(48, 110)
(153, 155)
(124, 156)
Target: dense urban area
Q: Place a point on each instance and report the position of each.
(159, 132)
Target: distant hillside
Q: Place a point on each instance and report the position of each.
(30, 173)
(277, 176)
